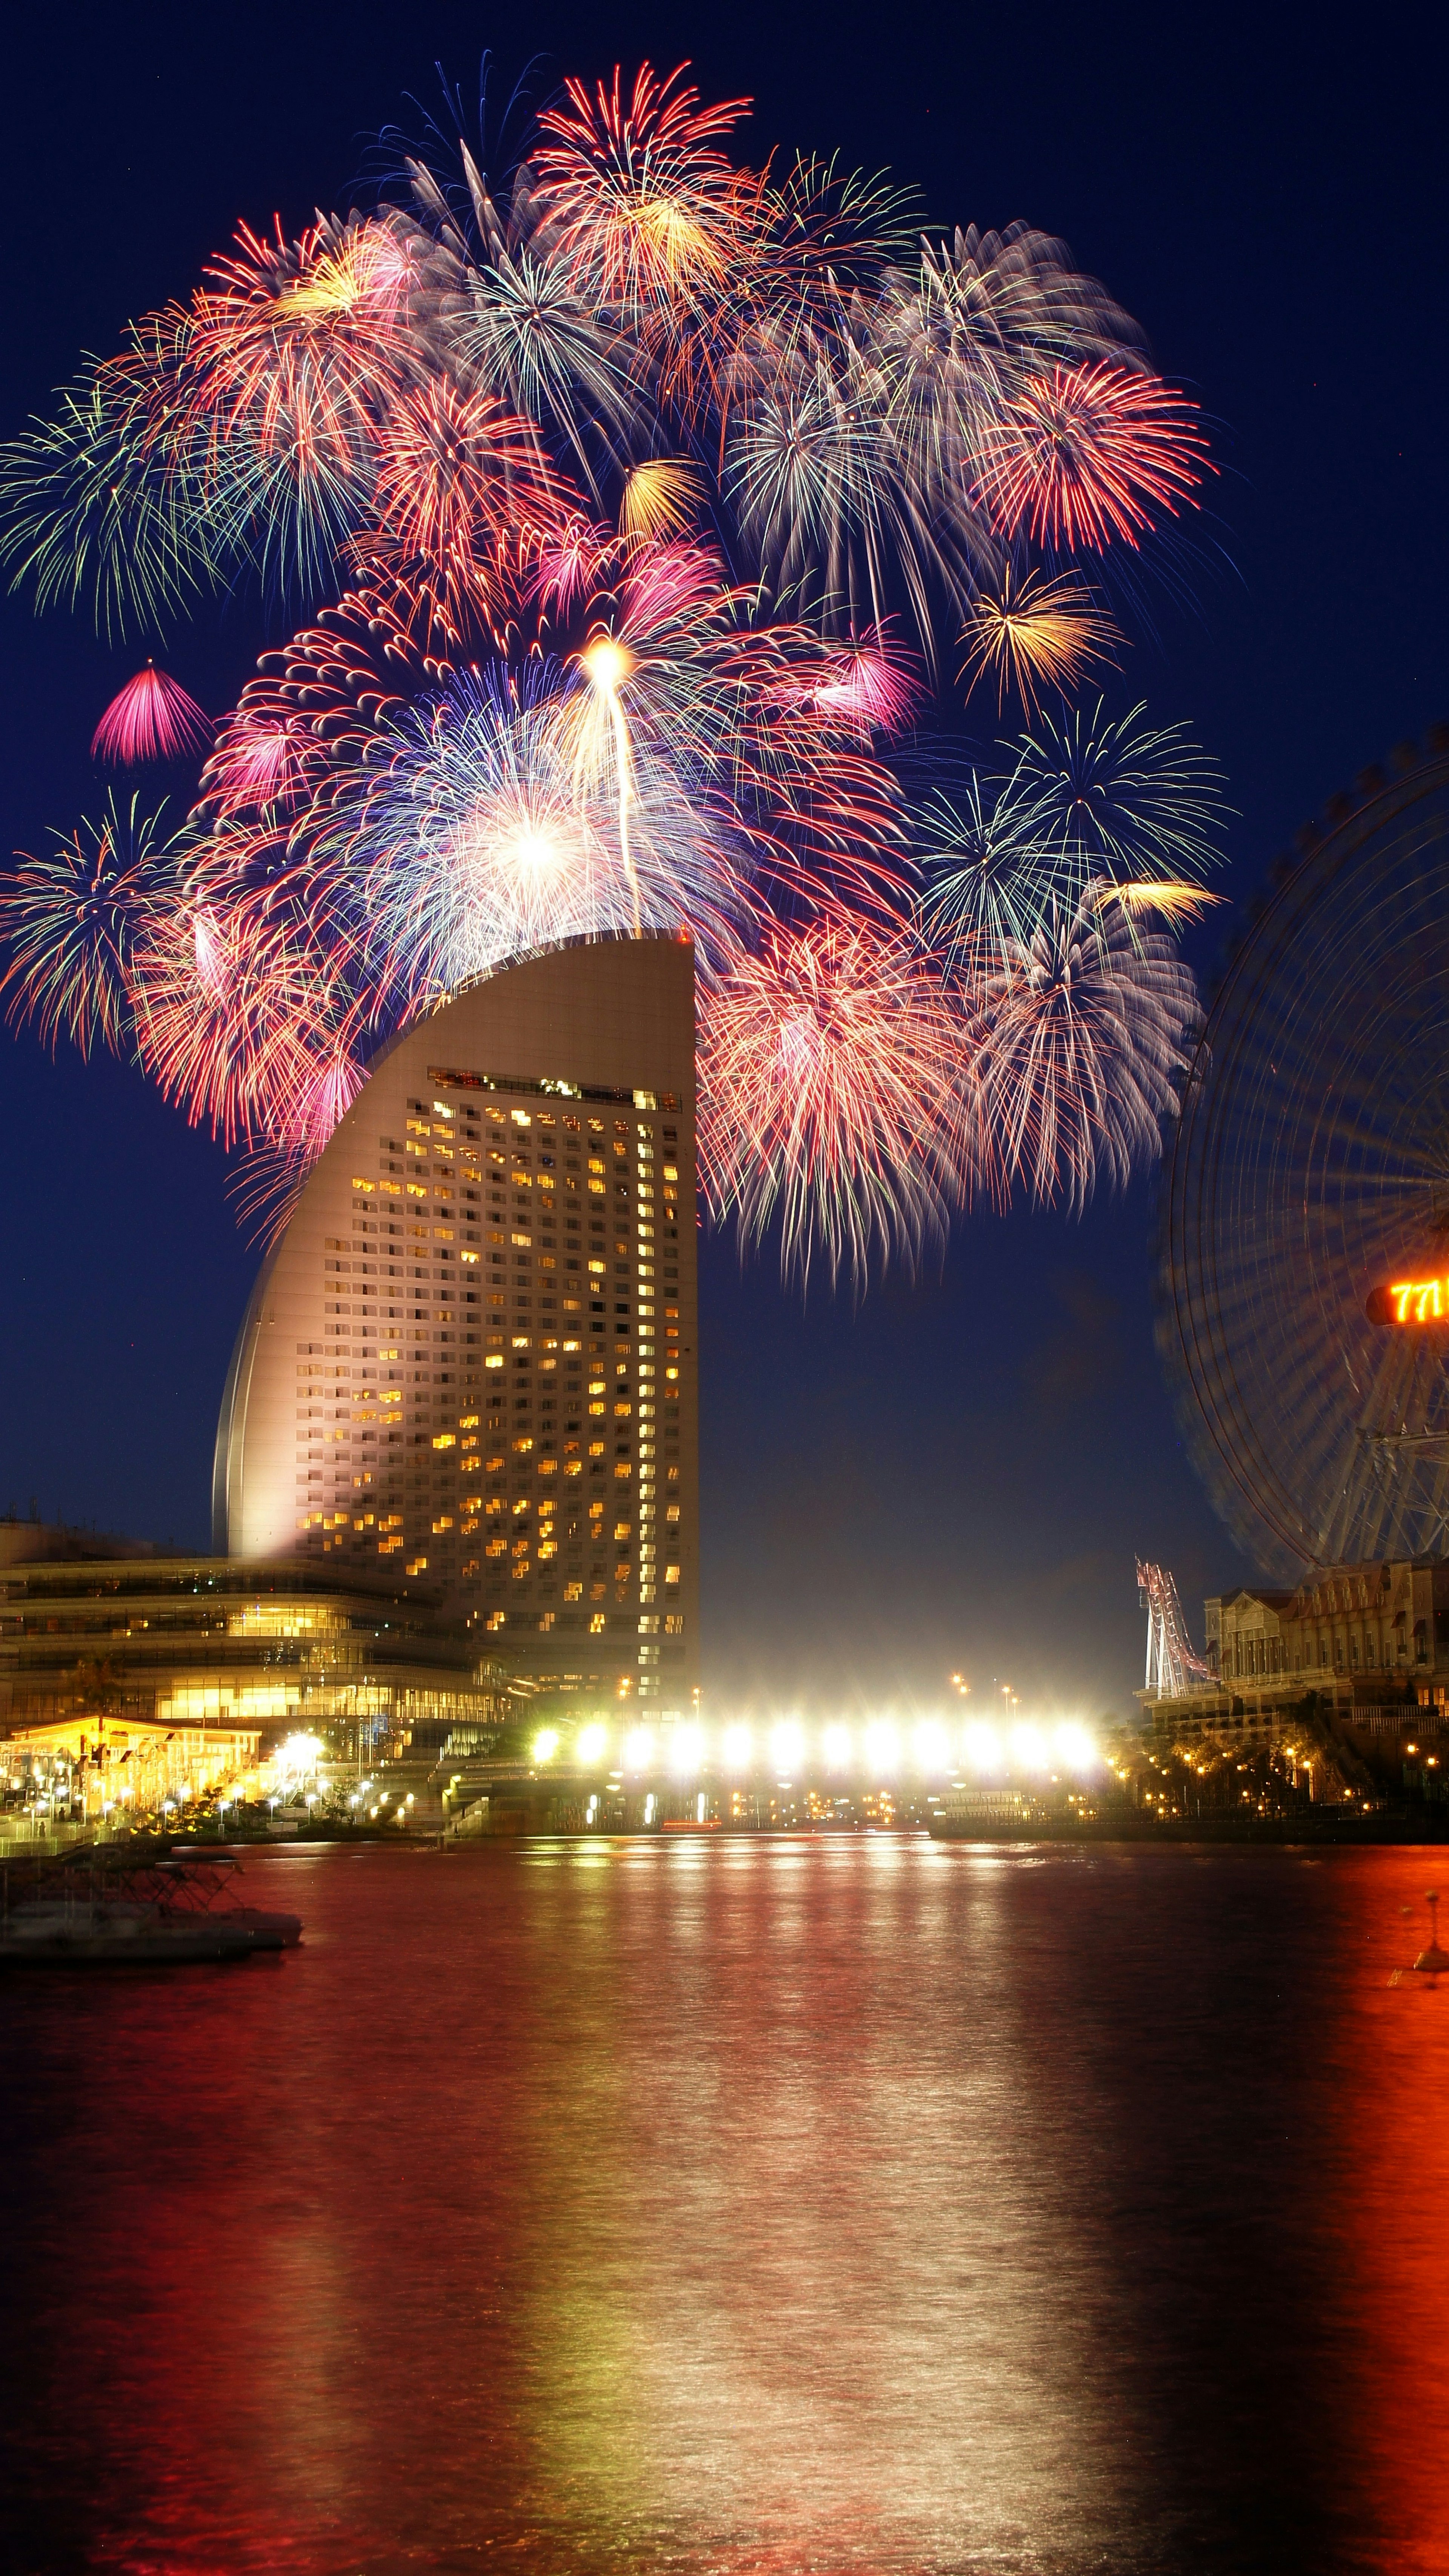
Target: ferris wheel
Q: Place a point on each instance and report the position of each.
(1303, 1285)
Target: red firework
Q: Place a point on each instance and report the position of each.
(1085, 455)
(295, 348)
(151, 719)
(313, 712)
(237, 1020)
(646, 207)
(460, 479)
(830, 1094)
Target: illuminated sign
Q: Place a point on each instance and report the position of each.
(1409, 1301)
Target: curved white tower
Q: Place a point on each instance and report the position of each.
(470, 1361)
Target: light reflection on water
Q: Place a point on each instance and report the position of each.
(736, 2205)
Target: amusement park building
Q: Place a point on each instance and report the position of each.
(1376, 1624)
(468, 1369)
(1363, 1638)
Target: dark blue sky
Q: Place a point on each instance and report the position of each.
(956, 1476)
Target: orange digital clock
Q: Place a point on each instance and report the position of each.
(1409, 1301)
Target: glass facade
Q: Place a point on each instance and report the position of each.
(190, 1642)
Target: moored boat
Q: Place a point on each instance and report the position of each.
(110, 1909)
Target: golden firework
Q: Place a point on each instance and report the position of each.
(1036, 632)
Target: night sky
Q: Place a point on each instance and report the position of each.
(955, 1476)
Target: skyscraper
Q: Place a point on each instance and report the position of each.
(470, 1360)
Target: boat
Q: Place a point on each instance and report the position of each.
(100, 1908)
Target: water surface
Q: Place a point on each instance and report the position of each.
(741, 2205)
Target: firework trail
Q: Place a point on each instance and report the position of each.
(628, 511)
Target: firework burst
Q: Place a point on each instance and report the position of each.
(632, 503)
(1117, 800)
(238, 1020)
(830, 1096)
(483, 838)
(1089, 456)
(72, 918)
(1035, 633)
(151, 719)
(1090, 1025)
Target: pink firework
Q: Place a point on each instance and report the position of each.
(269, 1183)
(1083, 456)
(151, 719)
(830, 1095)
(254, 763)
(870, 687)
(324, 1104)
(570, 563)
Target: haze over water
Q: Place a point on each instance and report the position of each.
(741, 2205)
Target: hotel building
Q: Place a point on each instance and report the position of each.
(469, 1366)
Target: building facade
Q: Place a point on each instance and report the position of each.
(470, 1364)
(1382, 1626)
(177, 1645)
(1369, 1642)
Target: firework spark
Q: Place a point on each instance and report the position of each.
(152, 718)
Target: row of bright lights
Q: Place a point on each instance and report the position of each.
(883, 1750)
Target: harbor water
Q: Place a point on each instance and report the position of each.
(741, 2204)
